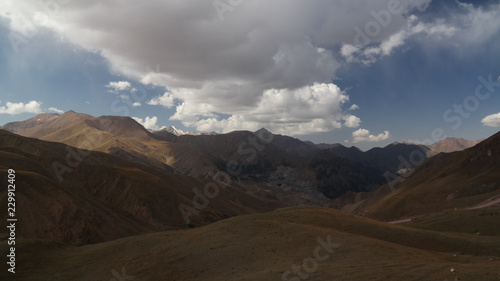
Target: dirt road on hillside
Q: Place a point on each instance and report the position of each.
(488, 203)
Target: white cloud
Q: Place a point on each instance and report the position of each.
(310, 109)
(354, 107)
(369, 54)
(351, 121)
(477, 24)
(364, 135)
(119, 86)
(18, 108)
(468, 26)
(348, 51)
(56, 110)
(137, 104)
(166, 100)
(149, 123)
(492, 120)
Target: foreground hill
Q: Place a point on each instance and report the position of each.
(445, 182)
(308, 242)
(78, 197)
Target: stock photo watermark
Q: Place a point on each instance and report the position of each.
(123, 276)
(381, 18)
(12, 220)
(225, 6)
(310, 265)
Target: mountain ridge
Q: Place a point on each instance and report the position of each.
(251, 157)
(447, 145)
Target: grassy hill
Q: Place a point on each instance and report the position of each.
(265, 246)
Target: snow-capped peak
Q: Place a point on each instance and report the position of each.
(174, 130)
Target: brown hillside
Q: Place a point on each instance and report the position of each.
(102, 197)
(446, 181)
(265, 246)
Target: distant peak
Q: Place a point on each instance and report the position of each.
(263, 130)
(173, 130)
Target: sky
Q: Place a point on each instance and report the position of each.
(356, 72)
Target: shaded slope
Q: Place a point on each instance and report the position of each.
(335, 175)
(265, 246)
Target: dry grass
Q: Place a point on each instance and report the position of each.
(263, 246)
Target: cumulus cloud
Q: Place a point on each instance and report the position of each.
(492, 120)
(149, 123)
(351, 121)
(166, 100)
(18, 108)
(118, 86)
(56, 110)
(310, 109)
(136, 104)
(260, 51)
(361, 135)
(354, 107)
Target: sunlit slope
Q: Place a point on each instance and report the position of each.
(123, 137)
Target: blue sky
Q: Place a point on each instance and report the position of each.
(299, 68)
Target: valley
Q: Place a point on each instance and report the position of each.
(103, 198)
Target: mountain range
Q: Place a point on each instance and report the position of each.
(260, 156)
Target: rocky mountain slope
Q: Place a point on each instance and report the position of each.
(78, 197)
(250, 158)
(444, 182)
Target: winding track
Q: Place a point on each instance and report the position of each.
(488, 203)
